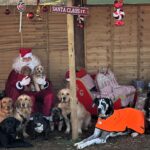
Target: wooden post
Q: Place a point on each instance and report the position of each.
(138, 43)
(71, 51)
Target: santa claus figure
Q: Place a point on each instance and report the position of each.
(16, 83)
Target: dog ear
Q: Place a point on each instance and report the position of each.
(17, 104)
(110, 109)
(95, 102)
(59, 95)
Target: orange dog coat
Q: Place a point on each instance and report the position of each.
(122, 119)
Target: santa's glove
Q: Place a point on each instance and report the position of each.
(25, 81)
(41, 81)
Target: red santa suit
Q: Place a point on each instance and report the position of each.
(14, 88)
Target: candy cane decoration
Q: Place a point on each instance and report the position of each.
(80, 21)
(21, 8)
(118, 13)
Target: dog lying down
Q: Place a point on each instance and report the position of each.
(8, 133)
(112, 123)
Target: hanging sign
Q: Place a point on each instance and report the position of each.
(84, 11)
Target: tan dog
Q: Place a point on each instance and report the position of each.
(38, 73)
(6, 108)
(83, 116)
(22, 111)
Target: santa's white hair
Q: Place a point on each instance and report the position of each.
(18, 63)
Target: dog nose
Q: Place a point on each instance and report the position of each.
(8, 107)
(64, 98)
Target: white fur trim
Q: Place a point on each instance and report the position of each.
(18, 63)
(19, 87)
(27, 55)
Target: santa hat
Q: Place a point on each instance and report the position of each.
(25, 52)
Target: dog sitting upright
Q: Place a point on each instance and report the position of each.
(83, 116)
(6, 108)
(38, 73)
(112, 123)
(56, 119)
(38, 125)
(22, 112)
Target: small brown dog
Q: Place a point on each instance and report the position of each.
(26, 71)
(6, 108)
(22, 111)
(83, 116)
(38, 72)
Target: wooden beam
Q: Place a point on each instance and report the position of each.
(79, 42)
(71, 51)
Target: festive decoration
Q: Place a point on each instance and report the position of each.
(118, 13)
(80, 21)
(45, 8)
(38, 10)
(81, 18)
(21, 8)
(30, 15)
(7, 11)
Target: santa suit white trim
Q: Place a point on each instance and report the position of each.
(26, 55)
(18, 86)
(18, 63)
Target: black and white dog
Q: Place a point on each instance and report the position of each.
(112, 123)
(38, 125)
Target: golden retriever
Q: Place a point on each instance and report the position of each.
(22, 111)
(38, 72)
(83, 116)
(6, 108)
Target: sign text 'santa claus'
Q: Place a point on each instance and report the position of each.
(71, 10)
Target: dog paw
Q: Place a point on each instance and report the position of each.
(67, 131)
(25, 135)
(79, 131)
(134, 134)
(76, 144)
(60, 128)
(81, 146)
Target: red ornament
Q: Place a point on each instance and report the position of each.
(7, 11)
(45, 8)
(30, 15)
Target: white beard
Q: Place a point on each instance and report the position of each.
(18, 63)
